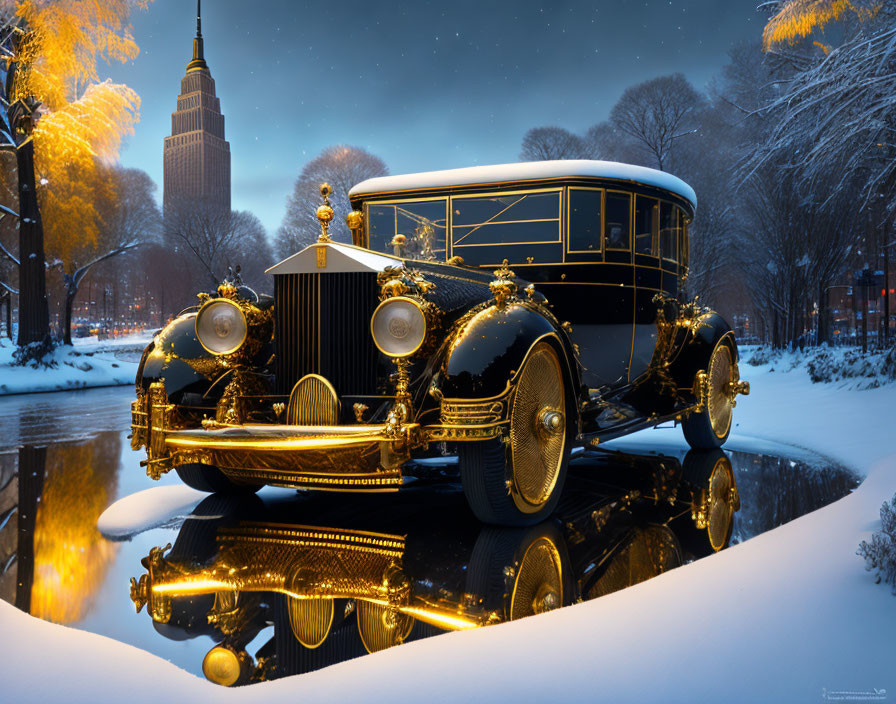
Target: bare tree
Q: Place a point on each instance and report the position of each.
(9, 205)
(838, 112)
(208, 240)
(129, 217)
(547, 143)
(656, 113)
(605, 141)
(341, 166)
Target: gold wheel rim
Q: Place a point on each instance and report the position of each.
(721, 374)
(720, 513)
(536, 451)
(310, 620)
(539, 581)
(381, 627)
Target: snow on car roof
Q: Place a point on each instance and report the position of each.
(527, 171)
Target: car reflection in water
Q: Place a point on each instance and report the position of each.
(340, 576)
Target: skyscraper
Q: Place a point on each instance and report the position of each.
(196, 155)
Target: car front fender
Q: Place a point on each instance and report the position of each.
(488, 346)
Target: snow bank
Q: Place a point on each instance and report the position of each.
(831, 364)
(790, 615)
(159, 506)
(148, 509)
(71, 368)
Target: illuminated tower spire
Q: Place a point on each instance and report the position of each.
(198, 62)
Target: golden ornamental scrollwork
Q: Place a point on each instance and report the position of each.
(503, 286)
(401, 281)
(402, 408)
(235, 403)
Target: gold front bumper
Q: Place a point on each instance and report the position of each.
(333, 457)
(362, 457)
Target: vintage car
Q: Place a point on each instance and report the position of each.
(418, 339)
(342, 577)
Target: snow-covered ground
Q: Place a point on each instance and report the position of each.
(857, 369)
(89, 362)
(789, 616)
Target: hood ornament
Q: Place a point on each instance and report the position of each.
(325, 213)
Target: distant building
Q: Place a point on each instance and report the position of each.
(196, 155)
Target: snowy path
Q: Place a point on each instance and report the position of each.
(781, 617)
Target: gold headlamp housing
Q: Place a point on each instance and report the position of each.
(231, 327)
(403, 323)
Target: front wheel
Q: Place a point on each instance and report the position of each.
(205, 477)
(709, 429)
(518, 482)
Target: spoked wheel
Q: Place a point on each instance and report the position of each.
(205, 477)
(520, 483)
(520, 572)
(710, 428)
(714, 499)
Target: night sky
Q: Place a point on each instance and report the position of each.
(423, 85)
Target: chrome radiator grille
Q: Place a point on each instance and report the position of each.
(323, 327)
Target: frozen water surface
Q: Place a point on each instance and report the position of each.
(287, 582)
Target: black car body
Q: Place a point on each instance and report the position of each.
(419, 338)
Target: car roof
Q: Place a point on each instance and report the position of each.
(527, 171)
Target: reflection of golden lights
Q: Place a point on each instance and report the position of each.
(70, 555)
(441, 619)
(196, 586)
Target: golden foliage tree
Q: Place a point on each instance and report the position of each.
(798, 19)
(82, 120)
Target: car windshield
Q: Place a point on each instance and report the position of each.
(414, 229)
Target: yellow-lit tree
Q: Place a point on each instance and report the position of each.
(795, 20)
(66, 125)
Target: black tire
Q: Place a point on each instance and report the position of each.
(699, 434)
(493, 573)
(519, 484)
(204, 477)
(710, 428)
(484, 471)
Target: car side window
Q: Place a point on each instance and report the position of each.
(682, 238)
(505, 218)
(421, 224)
(668, 231)
(617, 221)
(585, 208)
(646, 225)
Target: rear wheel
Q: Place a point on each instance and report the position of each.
(710, 487)
(710, 428)
(205, 477)
(519, 482)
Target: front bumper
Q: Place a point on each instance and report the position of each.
(330, 457)
(363, 457)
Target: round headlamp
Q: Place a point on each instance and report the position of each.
(398, 326)
(221, 326)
